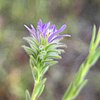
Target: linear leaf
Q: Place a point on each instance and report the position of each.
(29, 50)
(31, 40)
(95, 57)
(93, 37)
(28, 95)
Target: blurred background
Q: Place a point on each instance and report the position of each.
(15, 73)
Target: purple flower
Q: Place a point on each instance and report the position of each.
(47, 31)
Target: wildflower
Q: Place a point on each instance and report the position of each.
(47, 31)
(45, 43)
(43, 51)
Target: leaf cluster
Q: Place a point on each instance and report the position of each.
(42, 56)
(79, 82)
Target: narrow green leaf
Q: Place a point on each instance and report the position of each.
(42, 87)
(35, 48)
(97, 39)
(33, 60)
(29, 50)
(50, 46)
(36, 72)
(31, 40)
(33, 44)
(60, 51)
(79, 88)
(45, 69)
(93, 38)
(79, 76)
(52, 50)
(53, 55)
(47, 60)
(95, 56)
(44, 80)
(28, 95)
(69, 93)
(41, 90)
(39, 87)
(61, 46)
(53, 63)
(33, 74)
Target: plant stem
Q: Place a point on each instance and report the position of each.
(34, 96)
(74, 88)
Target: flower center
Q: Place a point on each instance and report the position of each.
(49, 32)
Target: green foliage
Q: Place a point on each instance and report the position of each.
(28, 95)
(15, 13)
(79, 81)
(42, 56)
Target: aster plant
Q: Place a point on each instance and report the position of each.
(44, 49)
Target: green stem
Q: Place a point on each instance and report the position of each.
(76, 86)
(34, 96)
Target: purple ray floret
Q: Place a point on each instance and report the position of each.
(47, 31)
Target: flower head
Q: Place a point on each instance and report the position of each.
(44, 49)
(47, 31)
(44, 45)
